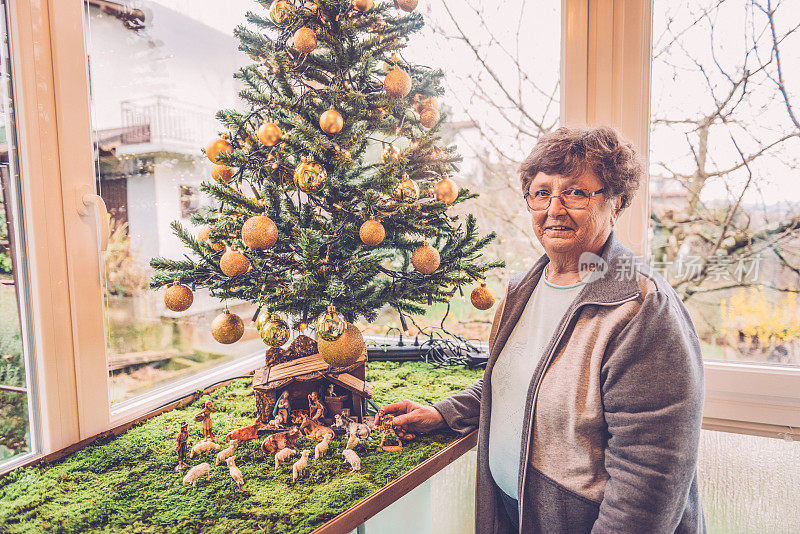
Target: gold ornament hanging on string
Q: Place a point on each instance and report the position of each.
(217, 147)
(309, 176)
(234, 263)
(331, 122)
(406, 190)
(305, 40)
(482, 297)
(428, 117)
(425, 259)
(281, 12)
(445, 189)
(203, 237)
(330, 325)
(227, 328)
(223, 173)
(259, 232)
(397, 83)
(273, 330)
(345, 350)
(372, 233)
(390, 153)
(178, 297)
(269, 133)
(363, 5)
(406, 5)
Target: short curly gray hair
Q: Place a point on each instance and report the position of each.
(572, 151)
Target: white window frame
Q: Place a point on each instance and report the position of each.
(605, 78)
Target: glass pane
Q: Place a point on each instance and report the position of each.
(749, 483)
(158, 75)
(15, 357)
(724, 173)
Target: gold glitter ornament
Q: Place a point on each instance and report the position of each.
(482, 297)
(330, 325)
(259, 232)
(331, 122)
(305, 40)
(363, 5)
(390, 153)
(425, 259)
(223, 173)
(406, 190)
(203, 237)
(372, 233)
(406, 5)
(217, 147)
(227, 328)
(445, 189)
(178, 297)
(309, 176)
(234, 263)
(345, 350)
(424, 102)
(273, 330)
(281, 13)
(428, 117)
(397, 83)
(269, 133)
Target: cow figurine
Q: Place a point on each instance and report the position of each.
(281, 440)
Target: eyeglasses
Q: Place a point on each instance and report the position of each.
(571, 199)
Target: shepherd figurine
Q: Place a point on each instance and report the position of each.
(181, 443)
(205, 417)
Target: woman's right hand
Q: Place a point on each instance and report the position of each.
(414, 416)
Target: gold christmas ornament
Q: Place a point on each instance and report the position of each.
(178, 297)
(305, 40)
(331, 122)
(203, 236)
(309, 176)
(482, 297)
(269, 134)
(390, 153)
(330, 325)
(227, 328)
(428, 117)
(406, 190)
(281, 12)
(234, 263)
(223, 173)
(397, 83)
(345, 350)
(445, 189)
(363, 5)
(425, 259)
(273, 330)
(406, 5)
(372, 233)
(259, 232)
(424, 102)
(217, 147)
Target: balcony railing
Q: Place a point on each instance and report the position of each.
(160, 120)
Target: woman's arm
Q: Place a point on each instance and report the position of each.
(653, 402)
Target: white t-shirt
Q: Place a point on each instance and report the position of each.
(512, 374)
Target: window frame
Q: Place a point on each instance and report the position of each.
(605, 78)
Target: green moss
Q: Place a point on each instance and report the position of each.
(127, 484)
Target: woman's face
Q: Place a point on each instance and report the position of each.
(572, 231)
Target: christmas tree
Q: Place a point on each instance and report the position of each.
(305, 224)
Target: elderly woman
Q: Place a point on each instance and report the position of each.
(589, 411)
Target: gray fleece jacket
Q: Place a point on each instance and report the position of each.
(612, 425)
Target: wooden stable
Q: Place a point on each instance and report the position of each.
(303, 375)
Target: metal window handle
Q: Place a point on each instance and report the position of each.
(85, 197)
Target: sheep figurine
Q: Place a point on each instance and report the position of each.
(223, 455)
(300, 465)
(282, 455)
(196, 472)
(236, 473)
(322, 447)
(352, 442)
(203, 447)
(352, 458)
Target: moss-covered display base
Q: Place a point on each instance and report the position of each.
(127, 484)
